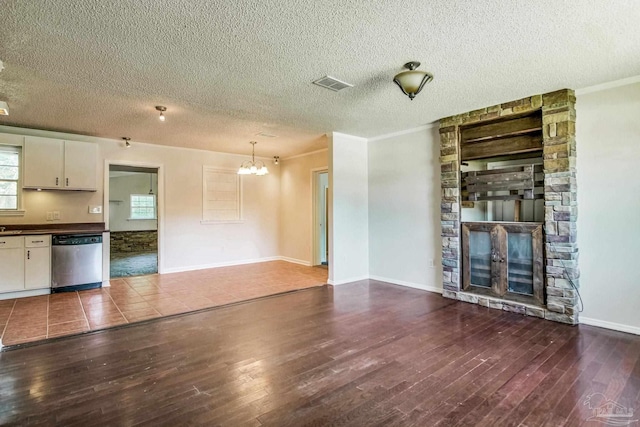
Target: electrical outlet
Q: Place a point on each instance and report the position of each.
(49, 216)
(95, 209)
(56, 215)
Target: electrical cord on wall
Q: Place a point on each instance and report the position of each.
(566, 275)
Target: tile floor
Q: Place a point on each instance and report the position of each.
(132, 299)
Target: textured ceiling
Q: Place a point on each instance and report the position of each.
(229, 70)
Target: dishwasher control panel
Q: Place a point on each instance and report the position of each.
(76, 240)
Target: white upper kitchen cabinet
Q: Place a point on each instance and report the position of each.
(56, 164)
(80, 165)
(43, 162)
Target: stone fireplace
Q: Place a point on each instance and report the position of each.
(558, 254)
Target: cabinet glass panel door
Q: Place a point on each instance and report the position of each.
(480, 258)
(520, 263)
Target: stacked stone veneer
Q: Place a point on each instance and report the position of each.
(561, 209)
(134, 241)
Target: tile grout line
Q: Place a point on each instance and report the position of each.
(15, 301)
(83, 312)
(118, 308)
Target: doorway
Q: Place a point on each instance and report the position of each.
(320, 184)
(133, 221)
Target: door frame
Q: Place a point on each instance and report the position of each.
(315, 229)
(159, 206)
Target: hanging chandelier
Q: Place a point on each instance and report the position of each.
(251, 167)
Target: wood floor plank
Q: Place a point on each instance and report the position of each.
(367, 353)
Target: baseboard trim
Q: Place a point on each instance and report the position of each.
(26, 293)
(295, 261)
(610, 325)
(220, 264)
(349, 280)
(428, 288)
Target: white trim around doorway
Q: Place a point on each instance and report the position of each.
(160, 206)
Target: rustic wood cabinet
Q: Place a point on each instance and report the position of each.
(504, 260)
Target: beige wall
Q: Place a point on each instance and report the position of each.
(404, 209)
(608, 146)
(187, 244)
(296, 205)
(348, 209)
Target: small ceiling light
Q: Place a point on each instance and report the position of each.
(162, 110)
(4, 109)
(251, 167)
(412, 81)
(276, 160)
(127, 144)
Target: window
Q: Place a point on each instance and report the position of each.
(143, 206)
(9, 177)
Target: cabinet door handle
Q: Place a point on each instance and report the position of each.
(2, 243)
(67, 182)
(56, 180)
(28, 254)
(37, 241)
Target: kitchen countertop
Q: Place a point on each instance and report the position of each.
(55, 229)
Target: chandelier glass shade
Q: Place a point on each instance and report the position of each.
(253, 167)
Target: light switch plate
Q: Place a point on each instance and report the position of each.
(95, 209)
(56, 215)
(49, 216)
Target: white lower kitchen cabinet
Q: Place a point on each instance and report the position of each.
(11, 264)
(25, 263)
(37, 263)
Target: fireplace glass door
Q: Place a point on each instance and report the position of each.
(503, 260)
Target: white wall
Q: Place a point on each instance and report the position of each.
(120, 190)
(404, 209)
(608, 146)
(349, 209)
(187, 244)
(296, 205)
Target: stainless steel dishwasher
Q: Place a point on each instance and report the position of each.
(76, 262)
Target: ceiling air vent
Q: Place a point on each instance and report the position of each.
(266, 135)
(332, 83)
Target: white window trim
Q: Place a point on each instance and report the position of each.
(18, 211)
(155, 208)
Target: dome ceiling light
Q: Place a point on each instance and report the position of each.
(411, 81)
(162, 109)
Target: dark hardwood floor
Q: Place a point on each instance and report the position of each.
(362, 354)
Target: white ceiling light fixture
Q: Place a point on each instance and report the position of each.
(162, 109)
(411, 81)
(251, 167)
(4, 109)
